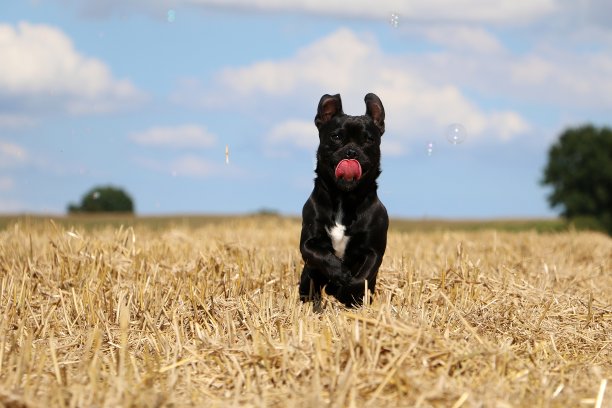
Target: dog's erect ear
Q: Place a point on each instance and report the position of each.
(329, 106)
(375, 110)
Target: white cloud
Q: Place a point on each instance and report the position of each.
(473, 10)
(545, 75)
(298, 133)
(332, 62)
(507, 124)
(12, 154)
(463, 38)
(185, 136)
(42, 71)
(589, 12)
(564, 78)
(423, 91)
(502, 13)
(192, 166)
(304, 135)
(416, 105)
(182, 166)
(499, 11)
(392, 147)
(188, 136)
(321, 65)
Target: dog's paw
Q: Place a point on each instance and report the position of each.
(349, 297)
(338, 276)
(339, 283)
(352, 293)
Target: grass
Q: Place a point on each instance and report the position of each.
(179, 314)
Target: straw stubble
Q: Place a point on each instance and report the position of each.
(210, 315)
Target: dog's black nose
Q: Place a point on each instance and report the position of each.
(351, 153)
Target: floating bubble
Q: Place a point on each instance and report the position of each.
(171, 16)
(394, 20)
(456, 133)
(96, 195)
(430, 148)
(226, 154)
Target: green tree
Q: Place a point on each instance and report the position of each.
(104, 199)
(579, 170)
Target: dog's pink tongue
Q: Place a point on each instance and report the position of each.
(348, 169)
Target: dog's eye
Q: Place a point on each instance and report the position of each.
(369, 138)
(335, 136)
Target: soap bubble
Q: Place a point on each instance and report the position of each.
(96, 195)
(456, 133)
(394, 20)
(171, 16)
(430, 148)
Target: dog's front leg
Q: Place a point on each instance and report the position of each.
(318, 254)
(352, 292)
(322, 267)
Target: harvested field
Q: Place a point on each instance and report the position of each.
(209, 316)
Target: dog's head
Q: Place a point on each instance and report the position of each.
(349, 146)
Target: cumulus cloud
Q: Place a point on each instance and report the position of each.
(303, 135)
(184, 136)
(41, 71)
(190, 137)
(568, 79)
(500, 11)
(183, 166)
(463, 38)
(353, 65)
(12, 154)
(423, 90)
(548, 75)
(297, 133)
(333, 62)
(471, 10)
(192, 166)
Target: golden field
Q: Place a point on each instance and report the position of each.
(208, 315)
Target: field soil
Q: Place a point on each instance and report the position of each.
(209, 315)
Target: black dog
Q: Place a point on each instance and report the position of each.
(344, 224)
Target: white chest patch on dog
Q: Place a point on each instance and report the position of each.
(338, 237)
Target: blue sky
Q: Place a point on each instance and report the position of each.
(115, 92)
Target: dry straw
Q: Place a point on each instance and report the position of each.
(209, 316)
